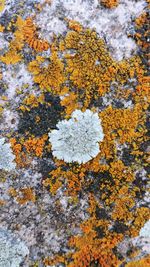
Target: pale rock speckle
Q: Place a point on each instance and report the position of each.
(16, 77)
(12, 250)
(6, 156)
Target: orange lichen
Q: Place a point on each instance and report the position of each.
(141, 37)
(74, 25)
(22, 195)
(20, 156)
(31, 36)
(13, 55)
(48, 73)
(25, 32)
(1, 28)
(123, 203)
(141, 20)
(54, 182)
(70, 102)
(128, 69)
(142, 93)
(110, 3)
(145, 262)
(73, 177)
(121, 196)
(35, 146)
(54, 260)
(89, 247)
(88, 66)
(95, 165)
(121, 172)
(25, 195)
(31, 101)
(75, 181)
(141, 215)
(123, 123)
(121, 128)
(2, 202)
(1, 76)
(12, 192)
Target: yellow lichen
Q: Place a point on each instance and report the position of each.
(13, 55)
(22, 195)
(145, 262)
(48, 73)
(31, 36)
(21, 158)
(89, 63)
(109, 3)
(35, 146)
(1, 28)
(2, 5)
(123, 123)
(70, 102)
(25, 195)
(31, 101)
(74, 25)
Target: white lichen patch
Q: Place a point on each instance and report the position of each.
(145, 230)
(113, 23)
(77, 139)
(12, 250)
(6, 156)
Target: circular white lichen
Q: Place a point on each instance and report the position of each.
(145, 230)
(12, 250)
(77, 139)
(6, 156)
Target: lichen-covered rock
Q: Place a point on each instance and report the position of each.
(63, 57)
(77, 139)
(12, 250)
